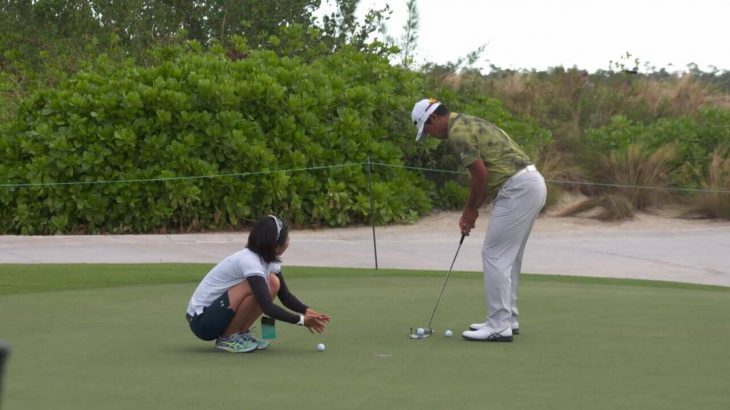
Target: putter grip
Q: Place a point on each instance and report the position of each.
(462, 239)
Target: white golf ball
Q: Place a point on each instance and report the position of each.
(448, 333)
(320, 347)
(420, 331)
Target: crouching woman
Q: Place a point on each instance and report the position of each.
(234, 294)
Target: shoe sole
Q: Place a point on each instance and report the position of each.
(514, 331)
(503, 339)
(223, 349)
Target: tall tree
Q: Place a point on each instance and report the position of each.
(409, 40)
(341, 27)
(203, 21)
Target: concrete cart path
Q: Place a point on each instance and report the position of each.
(671, 250)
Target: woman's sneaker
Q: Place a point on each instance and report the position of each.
(235, 344)
(260, 344)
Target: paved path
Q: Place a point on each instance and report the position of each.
(681, 252)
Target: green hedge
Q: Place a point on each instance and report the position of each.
(202, 114)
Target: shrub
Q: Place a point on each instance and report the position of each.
(200, 115)
(693, 138)
(452, 195)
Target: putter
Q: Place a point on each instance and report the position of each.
(427, 331)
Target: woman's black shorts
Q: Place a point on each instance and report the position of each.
(214, 319)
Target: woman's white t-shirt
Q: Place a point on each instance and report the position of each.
(229, 272)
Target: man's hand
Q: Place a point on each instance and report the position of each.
(468, 219)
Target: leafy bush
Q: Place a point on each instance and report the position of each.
(452, 195)
(201, 114)
(694, 140)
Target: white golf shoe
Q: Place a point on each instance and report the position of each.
(487, 334)
(514, 325)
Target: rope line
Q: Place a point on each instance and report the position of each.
(351, 164)
(162, 179)
(445, 171)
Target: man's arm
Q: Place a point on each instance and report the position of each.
(477, 195)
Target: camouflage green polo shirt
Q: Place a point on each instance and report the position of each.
(473, 138)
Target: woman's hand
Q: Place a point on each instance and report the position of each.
(315, 321)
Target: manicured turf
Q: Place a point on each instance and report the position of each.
(118, 340)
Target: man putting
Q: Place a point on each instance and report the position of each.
(500, 171)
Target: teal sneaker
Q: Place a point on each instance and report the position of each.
(235, 344)
(260, 344)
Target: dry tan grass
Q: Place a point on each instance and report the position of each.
(714, 204)
(637, 173)
(453, 81)
(639, 167)
(513, 84)
(609, 207)
(678, 95)
(720, 101)
(554, 167)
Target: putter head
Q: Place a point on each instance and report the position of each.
(426, 332)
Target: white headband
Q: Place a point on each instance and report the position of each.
(278, 226)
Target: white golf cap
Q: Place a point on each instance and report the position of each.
(421, 111)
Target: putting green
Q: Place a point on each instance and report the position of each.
(583, 345)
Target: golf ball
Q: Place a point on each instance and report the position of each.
(320, 347)
(420, 331)
(448, 333)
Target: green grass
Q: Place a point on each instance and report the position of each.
(25, 278)
(115, 338)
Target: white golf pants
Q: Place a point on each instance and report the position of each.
(515, 209)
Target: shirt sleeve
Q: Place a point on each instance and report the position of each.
(263, 298)
(287, 298)
(251, 267)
